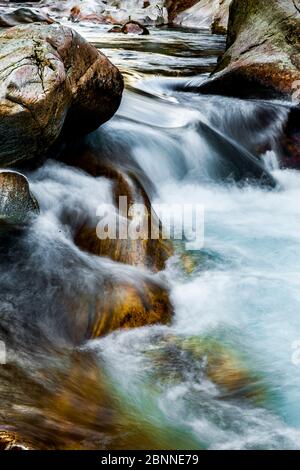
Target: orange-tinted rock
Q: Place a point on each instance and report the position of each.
(71, 405)
(119, 304)
(178, 358)
(126, 306)
(149, 253)
(146, 253)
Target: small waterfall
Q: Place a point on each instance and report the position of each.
(271, 161)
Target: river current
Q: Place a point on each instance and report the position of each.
(239, 294)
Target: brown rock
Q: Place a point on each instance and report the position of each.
(70, 405)
(51, 77)
(178, 358)
(289, 142)
(131, 27)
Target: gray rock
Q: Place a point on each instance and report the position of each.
(17, 203)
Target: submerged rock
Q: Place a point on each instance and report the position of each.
(179, 359)
(262, 57)
(145, 252)
(132, 27)
(22, 15)
(51, 79)
(17, 203)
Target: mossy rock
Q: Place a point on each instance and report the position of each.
(262, 58)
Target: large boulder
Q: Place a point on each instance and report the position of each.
(51, 80)
(263, 51)
(17, 203)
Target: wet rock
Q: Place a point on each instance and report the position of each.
(120, 303)
(22, 15)
(262, 58)
(51, 80)
(66, 402)
(147, 252)
(124, 306)
(11, 441)
(131, 27)
(180, 359)
(17, 203)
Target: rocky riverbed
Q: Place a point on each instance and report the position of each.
(123, 343)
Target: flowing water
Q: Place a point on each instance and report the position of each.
(240, 293)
